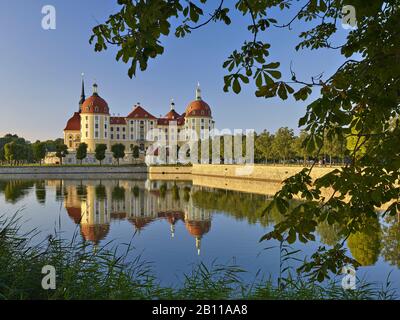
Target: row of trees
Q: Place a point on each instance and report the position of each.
(282, 146)
(15, 150)
(118, 151)
(285, 146)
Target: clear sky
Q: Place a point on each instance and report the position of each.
(40, 70)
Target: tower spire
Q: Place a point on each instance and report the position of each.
(198, 91)
(198, 245)
(95, 88)
(82, 100)
(172, 105)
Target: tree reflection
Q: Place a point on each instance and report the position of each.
(40, 191)
(365, 245)
(391, 241)
(14, 190)
(329, 234)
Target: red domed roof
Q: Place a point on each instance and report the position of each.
(95, 232)
(198, 108)
(198, 228)
(75, 214)
(74, 123)
(95, 104)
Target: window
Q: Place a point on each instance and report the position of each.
(117, 128)
(123, 137)
(202, 120)
(141, 122)
(131, 122)
(117, 136)
(87, 126)
(112, 136)
(105, 126)
(96, 126)
(112, 129)
(96, 134)
(123, 129)
(131, 136)
(87, 134)
(151, 122)
(105, 134)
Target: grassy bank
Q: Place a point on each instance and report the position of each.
(84, 272)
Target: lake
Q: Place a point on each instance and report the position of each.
(176, 224)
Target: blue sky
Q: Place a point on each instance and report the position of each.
(40, 70)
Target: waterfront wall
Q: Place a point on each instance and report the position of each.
(170, 170)
(73, 172)
(256, 172)
(267, 173)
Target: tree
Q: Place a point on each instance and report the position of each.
(135, 152)
(263, 146)
(81, 151)
(118, 151)
(282, 144)
(100, 152)
(359, 98)
(15, 152)
(39, 151)
(61, 152)
(299, 148)
(10, 152)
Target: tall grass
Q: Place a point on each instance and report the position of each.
(87, 272)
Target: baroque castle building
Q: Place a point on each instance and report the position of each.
(92, 124)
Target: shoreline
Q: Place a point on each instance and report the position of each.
(256, 173)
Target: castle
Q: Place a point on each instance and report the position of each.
(92, 124)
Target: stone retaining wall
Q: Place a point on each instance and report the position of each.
(256, 172)
(73, 172)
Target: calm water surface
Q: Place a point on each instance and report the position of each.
(176, 224)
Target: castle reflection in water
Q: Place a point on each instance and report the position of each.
(93, 204)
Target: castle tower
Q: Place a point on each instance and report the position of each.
(198, 116)
(95, 121)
